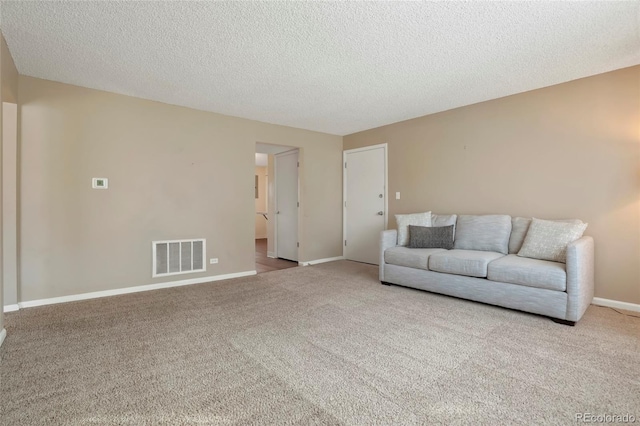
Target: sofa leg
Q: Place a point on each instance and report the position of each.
(563, 322)
(384, 283)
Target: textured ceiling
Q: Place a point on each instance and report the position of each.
(337, 67)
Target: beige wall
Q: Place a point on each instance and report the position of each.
(261, 202)
(173, 173)
(566, 151)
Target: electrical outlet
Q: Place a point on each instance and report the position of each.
(213, 260)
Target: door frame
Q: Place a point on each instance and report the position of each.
(344, 188)
(9, 285)
(275, 201)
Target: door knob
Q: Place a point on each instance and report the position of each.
(380, 213)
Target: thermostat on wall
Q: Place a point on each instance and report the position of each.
(100, 183)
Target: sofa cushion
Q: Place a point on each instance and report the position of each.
(519, 228)
(471, 263)
(485, 233)
(431, 237)
(443, 219)
(548, 240)
(412, 258)
(404, 220)
(529, 272)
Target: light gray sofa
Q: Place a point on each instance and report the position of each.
(557, 290)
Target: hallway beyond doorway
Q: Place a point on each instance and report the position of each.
(267, 264)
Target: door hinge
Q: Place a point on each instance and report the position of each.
(298, 244)
(345, 243)
(345, 204)
(298, 203)
(298, 164)
(345, 164)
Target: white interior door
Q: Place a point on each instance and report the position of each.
(365, 202)
(286, 188)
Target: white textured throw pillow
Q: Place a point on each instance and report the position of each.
(519, 228)
(404, 220)
(548, 240)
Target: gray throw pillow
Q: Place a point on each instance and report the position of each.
(431, 237)
(548, 240)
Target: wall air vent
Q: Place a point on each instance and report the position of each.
(178, 257)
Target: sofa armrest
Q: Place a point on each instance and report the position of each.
(388, 239)
(580, 277)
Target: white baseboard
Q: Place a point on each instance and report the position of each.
(11, 308)
(127, 290)
(616, 304)
(315, 262)
(272, 254)
(3, 334)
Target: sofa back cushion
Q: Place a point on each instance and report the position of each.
(486, 233)
(520, 227)
(444, 220)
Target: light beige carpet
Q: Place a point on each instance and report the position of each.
(324, 344)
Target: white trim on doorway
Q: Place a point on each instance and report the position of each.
(344, 188)
(11, 308)
(10, 203)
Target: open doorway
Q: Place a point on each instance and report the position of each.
(277, 207)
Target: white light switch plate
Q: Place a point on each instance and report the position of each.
(213, 260)
(397, 195)
(100, 183)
